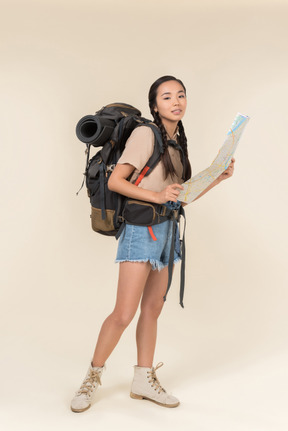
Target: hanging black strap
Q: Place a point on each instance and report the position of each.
(171, 257)
(87, 152)
(118, 234)
(102, 192)
(183, 252)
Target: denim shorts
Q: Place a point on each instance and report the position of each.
(137, 245)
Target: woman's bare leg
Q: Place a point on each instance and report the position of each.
(131, 282)
(151, 306)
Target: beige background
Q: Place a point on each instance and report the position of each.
(225, 354)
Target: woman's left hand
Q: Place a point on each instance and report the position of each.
(228, 172)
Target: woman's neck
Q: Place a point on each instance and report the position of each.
(171, 128)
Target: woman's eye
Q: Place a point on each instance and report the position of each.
(166, 98)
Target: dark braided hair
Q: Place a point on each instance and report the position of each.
(165, 158)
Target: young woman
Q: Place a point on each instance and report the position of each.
(143, 268)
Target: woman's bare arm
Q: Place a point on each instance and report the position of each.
(118, 183)
(226, 174)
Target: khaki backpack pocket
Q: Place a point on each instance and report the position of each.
(98, 224)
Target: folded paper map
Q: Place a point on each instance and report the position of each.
(198, 183)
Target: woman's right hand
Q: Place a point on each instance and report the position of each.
(170, 193)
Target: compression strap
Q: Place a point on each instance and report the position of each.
(142, 175)
(152, 233)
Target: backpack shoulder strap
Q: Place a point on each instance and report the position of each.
(157, 134)
(156, 155)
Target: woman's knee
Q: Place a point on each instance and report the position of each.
(121, 318)
(152, 310)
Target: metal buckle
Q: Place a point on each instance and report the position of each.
(110, 168)
(176, 214)
(163, 210)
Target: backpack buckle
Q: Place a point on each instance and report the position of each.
(110, 168)
(163, 211)
(176, 214)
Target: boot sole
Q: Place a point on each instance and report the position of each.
(142, 397)
(80, 410)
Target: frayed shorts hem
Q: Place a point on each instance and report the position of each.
(154, 263)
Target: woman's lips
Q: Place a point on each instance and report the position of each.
(177, 111)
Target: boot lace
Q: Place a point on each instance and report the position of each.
(89, 383)
(153, 378)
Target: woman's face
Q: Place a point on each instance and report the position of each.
(171, 102)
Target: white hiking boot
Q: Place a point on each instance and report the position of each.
(84, 396)
(146, 386)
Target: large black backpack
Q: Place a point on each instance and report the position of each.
(110, 128)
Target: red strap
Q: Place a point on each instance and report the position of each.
(152, 233)
(142, 175)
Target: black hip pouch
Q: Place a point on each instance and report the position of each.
(143, 213)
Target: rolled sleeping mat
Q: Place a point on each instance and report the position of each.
(94, 130)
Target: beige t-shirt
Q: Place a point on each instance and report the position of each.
(139, 148)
